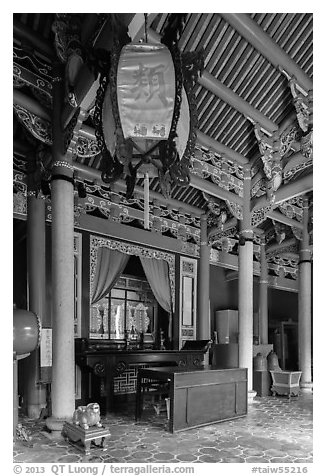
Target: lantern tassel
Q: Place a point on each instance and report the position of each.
(146, 202)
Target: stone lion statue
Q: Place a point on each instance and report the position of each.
(87, 416)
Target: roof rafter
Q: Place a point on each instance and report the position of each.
(267, 47)
(290, 190)
(227, 95)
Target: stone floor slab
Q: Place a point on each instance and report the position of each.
(275, 431)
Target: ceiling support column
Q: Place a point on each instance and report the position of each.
(263, 295)
(245, 286)
(203, 315)
(62, 199)
(304, 311)
(35, 392)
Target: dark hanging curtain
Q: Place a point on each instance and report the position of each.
(109, 267)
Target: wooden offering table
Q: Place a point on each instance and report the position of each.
(198, 396)
(105, 365)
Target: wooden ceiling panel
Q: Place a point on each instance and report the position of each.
(234, 62)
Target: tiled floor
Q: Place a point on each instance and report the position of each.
(276, 430)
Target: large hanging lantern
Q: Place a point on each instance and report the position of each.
(146, 91)
(145, 114)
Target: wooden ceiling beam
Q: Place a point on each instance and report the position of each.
(214, 190)
(202, 139)
(221, 149)
(294, 189)
(88, 173)
(280, 246)
(30, 104)
(286, 192)
(26, 34)
(279, 217)
(227, 226)
(196, 182)
(290, 190)
(263, 43)
(227, 95)
(293, 161)
(275, 282)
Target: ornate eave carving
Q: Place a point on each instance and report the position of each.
(221, 235)
(31, 72)
(121, 212)
(297, 232)
(20, 194)
(271, 149)
(283, 271)
(307, 145)
(279, 255)
(292, 208)
(227, 175)
(40, 128)
(259, 215)
(290, 139)
(235, 209)
(72, 131)
(86, 147)
(116, 207)
(259, 186)
(303, 104)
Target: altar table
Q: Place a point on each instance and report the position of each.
(198, 396)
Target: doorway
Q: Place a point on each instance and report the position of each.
(289, 342)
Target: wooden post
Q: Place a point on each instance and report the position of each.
(15, 394)
(263, 295)
(34, 391)
(203, 316)
(245, 288)
(62, 199)
(304, 318)
(203, 323)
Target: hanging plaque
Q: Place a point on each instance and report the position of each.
(46, 355)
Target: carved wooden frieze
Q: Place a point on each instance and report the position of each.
(40, 128)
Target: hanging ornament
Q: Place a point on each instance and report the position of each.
(145, 110)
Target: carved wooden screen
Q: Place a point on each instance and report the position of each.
(141, 251)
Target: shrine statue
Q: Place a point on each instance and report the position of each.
(87, 416)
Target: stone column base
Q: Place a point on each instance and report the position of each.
(35, 410)
(306, 387)
(251, 396)
(55, 424)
